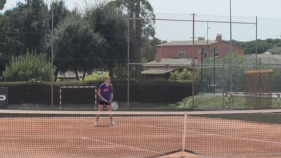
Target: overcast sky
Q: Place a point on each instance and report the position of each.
(268, 12)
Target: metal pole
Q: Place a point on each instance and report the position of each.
(202, 21)
(223, 85)
(52, 58)
(256, 42)
(231, 51)
(259, 84)
(208, 34)
(201, 79)
(128, 66)
(60, 97)
(193, 35)
(269, 62)
(214, 71)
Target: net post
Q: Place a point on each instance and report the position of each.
(60, 97)
(184, 132)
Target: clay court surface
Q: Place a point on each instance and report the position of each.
(189, 155)
(135, 136)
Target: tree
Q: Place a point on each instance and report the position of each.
(275, 50)
(111, 24)
(149, 49)
(59, 14)
(8, 45)
(2, 4)
(28, 67)
(138, 28)
(121, 72)
(222, 75)
(76, 46)
(263, 45)
(29, 24)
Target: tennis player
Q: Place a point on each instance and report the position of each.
(105, 94)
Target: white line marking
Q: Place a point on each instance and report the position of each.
(118, 144)
(213, 134)
(173, 129)
(250, 139)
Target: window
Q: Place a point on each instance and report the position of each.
(210, 53)
(217, 54)
(205, 55)
(181, 55)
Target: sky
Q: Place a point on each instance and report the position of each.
(267, 11)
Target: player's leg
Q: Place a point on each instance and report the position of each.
(98, 116)
(110, 116)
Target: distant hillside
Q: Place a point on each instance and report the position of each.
(263, 46)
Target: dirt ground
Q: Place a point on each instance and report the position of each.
(139, 136)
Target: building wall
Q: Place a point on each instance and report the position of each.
(172, 51)
(224, 48)
(160, 67)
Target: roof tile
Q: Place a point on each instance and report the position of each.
(184, 43)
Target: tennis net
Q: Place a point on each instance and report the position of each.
(139, 134)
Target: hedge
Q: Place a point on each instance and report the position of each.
(140, 91)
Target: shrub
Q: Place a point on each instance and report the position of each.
(121, 71)
(97, 76)
(28, 67)
(185, 74)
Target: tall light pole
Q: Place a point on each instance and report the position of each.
(231, 51)
(128, 58)
(193, 63)
(52, 57)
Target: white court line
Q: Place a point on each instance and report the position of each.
(96, 141)
(118, 144)
(203, 133)
(173, 129)
(250, 139)
(213, 134)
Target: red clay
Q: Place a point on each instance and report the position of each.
(60, 137)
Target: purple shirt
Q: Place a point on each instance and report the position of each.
(106, 91)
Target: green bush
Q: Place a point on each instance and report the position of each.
(121, 71)
(185, 74)
(28, 67)
(222, 75)
(97, 76)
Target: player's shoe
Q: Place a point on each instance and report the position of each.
(96, 124)
(112, 123)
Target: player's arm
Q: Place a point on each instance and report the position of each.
(99, 94)
(111, 97)
(111, 94)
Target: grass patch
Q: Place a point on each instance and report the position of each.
(272, 118)
(213, 102)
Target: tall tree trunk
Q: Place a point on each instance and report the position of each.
(56, 74)
(76, 73)
(138, 42)
(111, 67)
(84, 74)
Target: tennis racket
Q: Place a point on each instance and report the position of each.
(114, 105)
